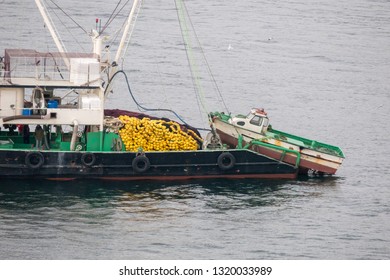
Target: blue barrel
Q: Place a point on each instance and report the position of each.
(52, 104)
(26, 112)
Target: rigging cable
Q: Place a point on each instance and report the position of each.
(109, 19)
(63, 24)
(184, 31)
(112, 18)
(188, 48)
(205, 59)
(65, 13)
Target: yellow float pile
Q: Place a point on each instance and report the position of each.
(155, 135)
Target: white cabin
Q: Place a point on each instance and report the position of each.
(38, 88)
(256, 121)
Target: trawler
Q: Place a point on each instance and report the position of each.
(55, 126)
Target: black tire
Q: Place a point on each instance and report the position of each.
(34, 160)
(88, 159)
(226, 161)
(140, 164)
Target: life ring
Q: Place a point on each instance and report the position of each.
(34, 160)
(88, 159)
(226, 161)
(140, 164)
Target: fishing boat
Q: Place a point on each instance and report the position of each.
(55, 125)
(254, 132)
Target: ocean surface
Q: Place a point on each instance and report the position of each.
(321, 69)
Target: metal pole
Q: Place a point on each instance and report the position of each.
(125, 35)
(52, 31)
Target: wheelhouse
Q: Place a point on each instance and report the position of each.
(256, 121)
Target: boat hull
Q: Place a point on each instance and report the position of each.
(309, 159)
(202, 164)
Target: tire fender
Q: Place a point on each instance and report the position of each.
(34, 160)
(88, 159)
(140, 164)
(226, 161)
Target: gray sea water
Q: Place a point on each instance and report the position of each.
(321, 69)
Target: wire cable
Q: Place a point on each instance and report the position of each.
(109, 19)
(112, 18)
(67, 29)
(65, 13)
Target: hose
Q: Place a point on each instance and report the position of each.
(142, 107)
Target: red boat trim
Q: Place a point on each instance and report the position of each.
(222, 176)
(64, 179)
(182, 177)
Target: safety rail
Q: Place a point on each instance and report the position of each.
(26, 65)
(260, 143)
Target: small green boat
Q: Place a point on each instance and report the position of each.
(254, 131)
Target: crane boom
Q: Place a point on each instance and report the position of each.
(130, 23)
(53, 31)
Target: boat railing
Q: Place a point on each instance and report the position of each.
(37, 74)
(260, 143)
(19, 64)
(307, 143)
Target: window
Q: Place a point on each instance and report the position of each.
(256, 120)
(266, 121)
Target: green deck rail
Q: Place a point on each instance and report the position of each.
(305, 143)
(260, 143)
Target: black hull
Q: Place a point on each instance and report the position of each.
(151, 166)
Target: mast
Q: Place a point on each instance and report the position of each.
(130, 23)
(97, 43)
(53, 32)
(128, 30)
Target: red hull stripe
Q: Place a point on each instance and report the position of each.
(224, 176)
(178, 178)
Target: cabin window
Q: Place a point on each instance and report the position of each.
(256, 120)
(266, 121)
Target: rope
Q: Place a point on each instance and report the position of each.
(189, 53)
(112, 124)
(188, 48)
(205, 59)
